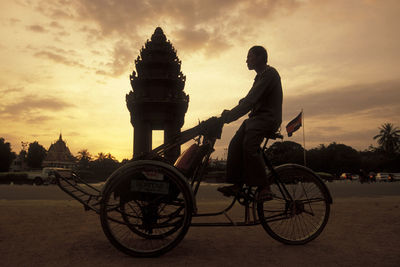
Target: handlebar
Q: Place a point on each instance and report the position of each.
(211, 127)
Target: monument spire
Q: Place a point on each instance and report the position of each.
(157, 100)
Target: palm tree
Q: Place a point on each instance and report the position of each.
(388, 137)
(84, 158)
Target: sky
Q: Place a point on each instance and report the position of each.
(65, 65)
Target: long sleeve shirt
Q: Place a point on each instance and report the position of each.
(264, 100)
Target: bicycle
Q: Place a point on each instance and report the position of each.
(146, 206)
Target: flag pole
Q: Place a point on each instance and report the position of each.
(304, 138)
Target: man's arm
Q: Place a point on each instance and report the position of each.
(247, 103)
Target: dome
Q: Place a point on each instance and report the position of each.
(59, 155)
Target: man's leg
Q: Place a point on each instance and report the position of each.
(254, 166)
(234, 164)
(255, 174)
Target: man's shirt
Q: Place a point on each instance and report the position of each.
(264, 100)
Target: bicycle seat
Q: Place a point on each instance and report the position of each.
(274, 136)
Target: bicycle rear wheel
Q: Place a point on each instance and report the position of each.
(302, 219)
(146, 210)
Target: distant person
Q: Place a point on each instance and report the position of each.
(363, 176)
(245, 164)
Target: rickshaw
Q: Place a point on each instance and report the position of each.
(147, 205)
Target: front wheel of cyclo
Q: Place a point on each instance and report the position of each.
(146, 208)
(302, 219)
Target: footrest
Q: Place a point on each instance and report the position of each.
(80, 190)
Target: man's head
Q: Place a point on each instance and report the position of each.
(257, 57)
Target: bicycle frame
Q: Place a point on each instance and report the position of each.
(249, 202)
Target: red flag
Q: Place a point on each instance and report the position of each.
(294, 124)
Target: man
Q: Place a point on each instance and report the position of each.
(245, 164)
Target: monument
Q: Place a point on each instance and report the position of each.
(157, 100)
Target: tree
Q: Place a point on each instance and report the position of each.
(104, 165)
(373, 160)
(36, 155)
(388, 138)
(285, 152)
(342, 158)
(23, 153)
(6, 155)
(334, 158)
(84, 159)
(317, 159)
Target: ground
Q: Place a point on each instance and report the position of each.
(362, 231)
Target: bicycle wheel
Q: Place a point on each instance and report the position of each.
(301, 219)
(146, 209)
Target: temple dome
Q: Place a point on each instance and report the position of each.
(59, 155)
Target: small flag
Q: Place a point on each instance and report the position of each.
(294, 124)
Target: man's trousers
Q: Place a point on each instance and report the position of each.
(245, 164)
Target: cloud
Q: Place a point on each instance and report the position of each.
(59, 9)
(56, 25)
(193, 39)
(204, 26)
(342, 135)
(11, 90)
(349, 115)
(59, 57)
(122, 56)
(373, 100)
(196, 24)
(38, 119)
(30, 102)
(36, 28)
(32, 108)
(14, 21)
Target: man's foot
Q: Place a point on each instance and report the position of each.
(265, 194)
(231, 190)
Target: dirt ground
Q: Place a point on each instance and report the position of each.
(360, 232)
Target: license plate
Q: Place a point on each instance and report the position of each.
(147, 186)
(153, 175)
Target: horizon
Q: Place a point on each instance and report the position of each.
(214, 156)
(66, 67)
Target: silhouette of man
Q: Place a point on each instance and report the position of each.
(245, 164)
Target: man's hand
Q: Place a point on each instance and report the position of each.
(211, 127)
(225, 115)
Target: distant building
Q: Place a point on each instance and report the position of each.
(19, 164)
(59, 155)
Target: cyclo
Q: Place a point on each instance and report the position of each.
(146, 206)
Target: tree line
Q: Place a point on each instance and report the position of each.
(98, 167)
(87, 166)
(339, 158)
(333, 158)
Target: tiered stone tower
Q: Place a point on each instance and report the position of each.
(157, 100)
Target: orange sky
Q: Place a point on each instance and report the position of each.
(65, 65)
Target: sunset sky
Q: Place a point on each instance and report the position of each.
(65, 66)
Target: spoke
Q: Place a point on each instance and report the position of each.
(301, 219)
(142, 222)
(134, 210)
